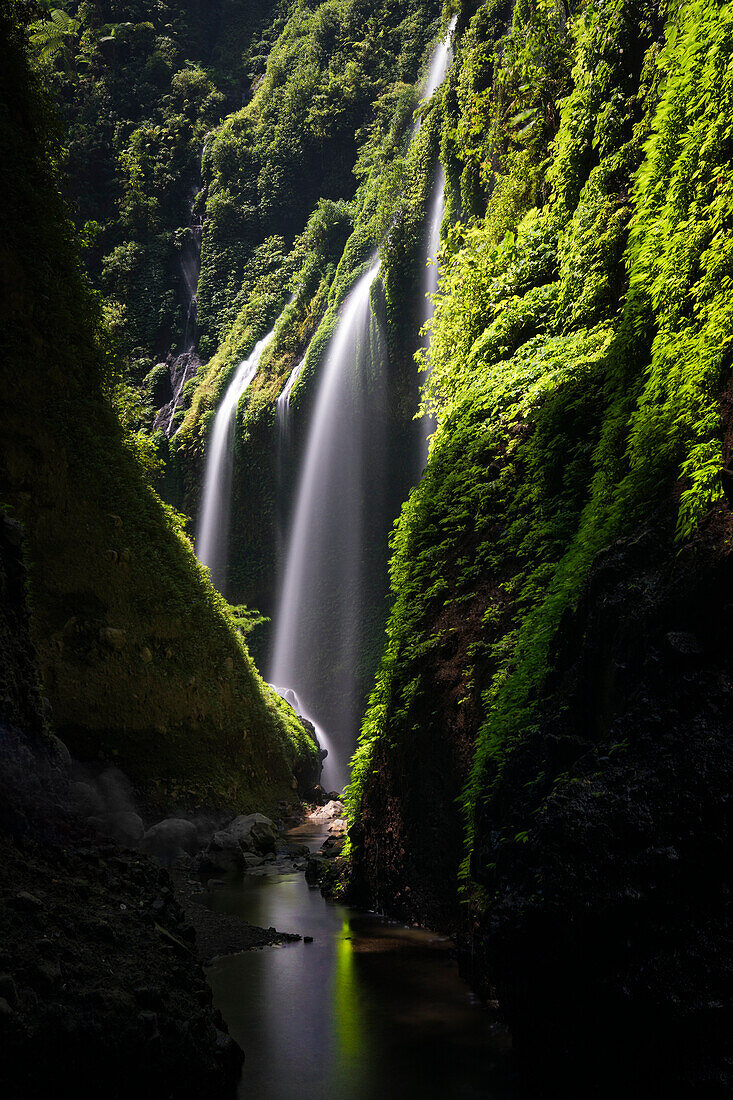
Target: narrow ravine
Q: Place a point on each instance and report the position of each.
(370, 1008)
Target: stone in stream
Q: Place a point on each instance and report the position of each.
(223, 853)
(327, 813)
(252, 860)
(253, 833)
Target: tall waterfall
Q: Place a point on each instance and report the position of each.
(330, 615)
(439, 65)
(430, 284)
(321, 605)
(212, 539)
(440, 61)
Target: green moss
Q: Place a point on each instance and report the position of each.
(579, 350)
(141, 660)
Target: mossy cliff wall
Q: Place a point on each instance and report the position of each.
(580, 357)
(139, 659)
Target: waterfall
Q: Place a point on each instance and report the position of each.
(326, 574)
(212, 539)
(440, 61)
(185, 364)
(284, 456)
(430, 286)
(439, 64)
(329, 610)
(283, 404)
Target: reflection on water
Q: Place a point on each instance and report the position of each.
(368, 1010)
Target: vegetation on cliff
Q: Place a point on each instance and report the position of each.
(578, 344)
(577, 370)
(140, 658)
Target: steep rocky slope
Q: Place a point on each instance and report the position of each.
(140, 661)
(99, 986)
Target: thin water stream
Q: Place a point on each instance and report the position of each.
(369, 1010)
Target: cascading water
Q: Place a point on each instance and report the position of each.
(283, 405)
(430, 286)
(439, 65)
(334, 574)
(321, 606)
(284, 455)
(212, 540)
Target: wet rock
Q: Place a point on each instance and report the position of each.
(333, 845)
(315, 870)
(327, 813)
(253, 833)
(113, 637)
(250, 859)
(223, 853)
(319, 795)
(170, 839)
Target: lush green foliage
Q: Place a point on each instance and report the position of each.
(140, 86)
(334, 67)
(580, 341)
(141, 658)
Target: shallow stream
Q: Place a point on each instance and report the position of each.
(370, 1009)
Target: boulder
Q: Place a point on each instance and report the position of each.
(327, 813)
(223, 853)
(253, 833)
(85, 799)
(170, 839)
(252, 860)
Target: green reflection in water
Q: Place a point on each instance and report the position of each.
(349, 1018)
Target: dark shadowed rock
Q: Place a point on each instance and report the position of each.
(124, 826)
(253, 833)
(171, 839)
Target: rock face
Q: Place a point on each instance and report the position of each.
(604, 842)
(611, 871)
(113, 580)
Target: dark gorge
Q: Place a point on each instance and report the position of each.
(365, 548)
